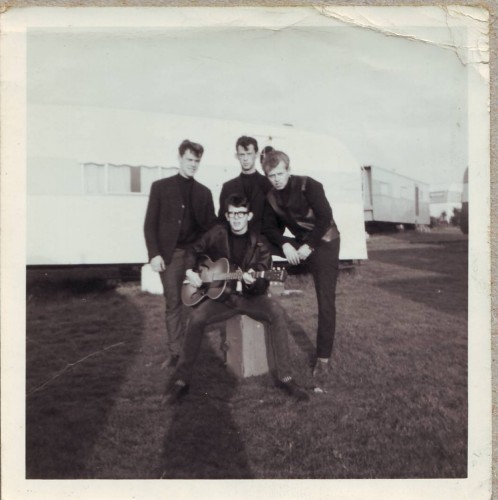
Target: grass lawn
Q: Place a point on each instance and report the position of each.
(397, 406)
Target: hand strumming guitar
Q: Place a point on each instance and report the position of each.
(193, 278)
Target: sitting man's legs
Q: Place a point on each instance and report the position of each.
(260, 308)
(263, 308)
(206, 312)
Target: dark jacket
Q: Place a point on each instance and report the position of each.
(306, 213)
(215, 245)
(165, 212)
(257, 201)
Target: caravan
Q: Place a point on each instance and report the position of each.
(393, 199)
(89, 172)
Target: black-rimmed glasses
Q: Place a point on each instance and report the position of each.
(236, 215)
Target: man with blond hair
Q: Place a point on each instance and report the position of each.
(299, 204)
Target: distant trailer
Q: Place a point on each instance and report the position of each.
(445, 199)
(391, 198)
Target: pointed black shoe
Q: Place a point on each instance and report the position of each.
(177, 393)
(294, 390)
(173, 361)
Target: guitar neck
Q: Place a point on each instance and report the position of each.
(237, 275)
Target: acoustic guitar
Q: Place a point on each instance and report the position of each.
(219, 279)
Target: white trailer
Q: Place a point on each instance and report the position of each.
(389, 197)
(445, 199)
(89, 172)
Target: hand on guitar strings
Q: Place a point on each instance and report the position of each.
(248, 278)
(193, 278)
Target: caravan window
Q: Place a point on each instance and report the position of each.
(168, 171)
(118, 178)
(106, 178)
(147, 176)
(94, 178)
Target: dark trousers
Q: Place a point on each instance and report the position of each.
(172, 279)
(259, 307)
(323, 264)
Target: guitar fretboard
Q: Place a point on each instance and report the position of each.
(235, 275)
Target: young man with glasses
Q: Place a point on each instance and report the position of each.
(246, 250)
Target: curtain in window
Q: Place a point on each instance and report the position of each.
(147, 176)
(94, 175)
(119, 178)
(168, 171)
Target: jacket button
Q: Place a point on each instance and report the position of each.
(179, 222)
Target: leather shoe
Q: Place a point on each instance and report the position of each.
(294, 390)
(321, 376)
(173, 361)
(177, 392)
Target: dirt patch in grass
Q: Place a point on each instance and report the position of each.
(396, 406)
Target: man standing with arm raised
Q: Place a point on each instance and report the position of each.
(180, 210)
(299, 204)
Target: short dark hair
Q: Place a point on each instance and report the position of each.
(264, 152)
(273, 158)
(237, 200)
(246, 141)
(194, 147)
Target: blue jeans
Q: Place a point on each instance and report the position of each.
(172, 279)
(259, 307)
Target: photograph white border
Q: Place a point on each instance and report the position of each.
(13, 255)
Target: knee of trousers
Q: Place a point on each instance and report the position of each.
(173, 306)
(196, 321)
(277, 314)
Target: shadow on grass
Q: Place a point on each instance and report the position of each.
(447, 291)
(446, 258)
(76, 359)
(304, 343)
(203, 441)
(441, 294)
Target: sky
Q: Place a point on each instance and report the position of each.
(395, 103)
